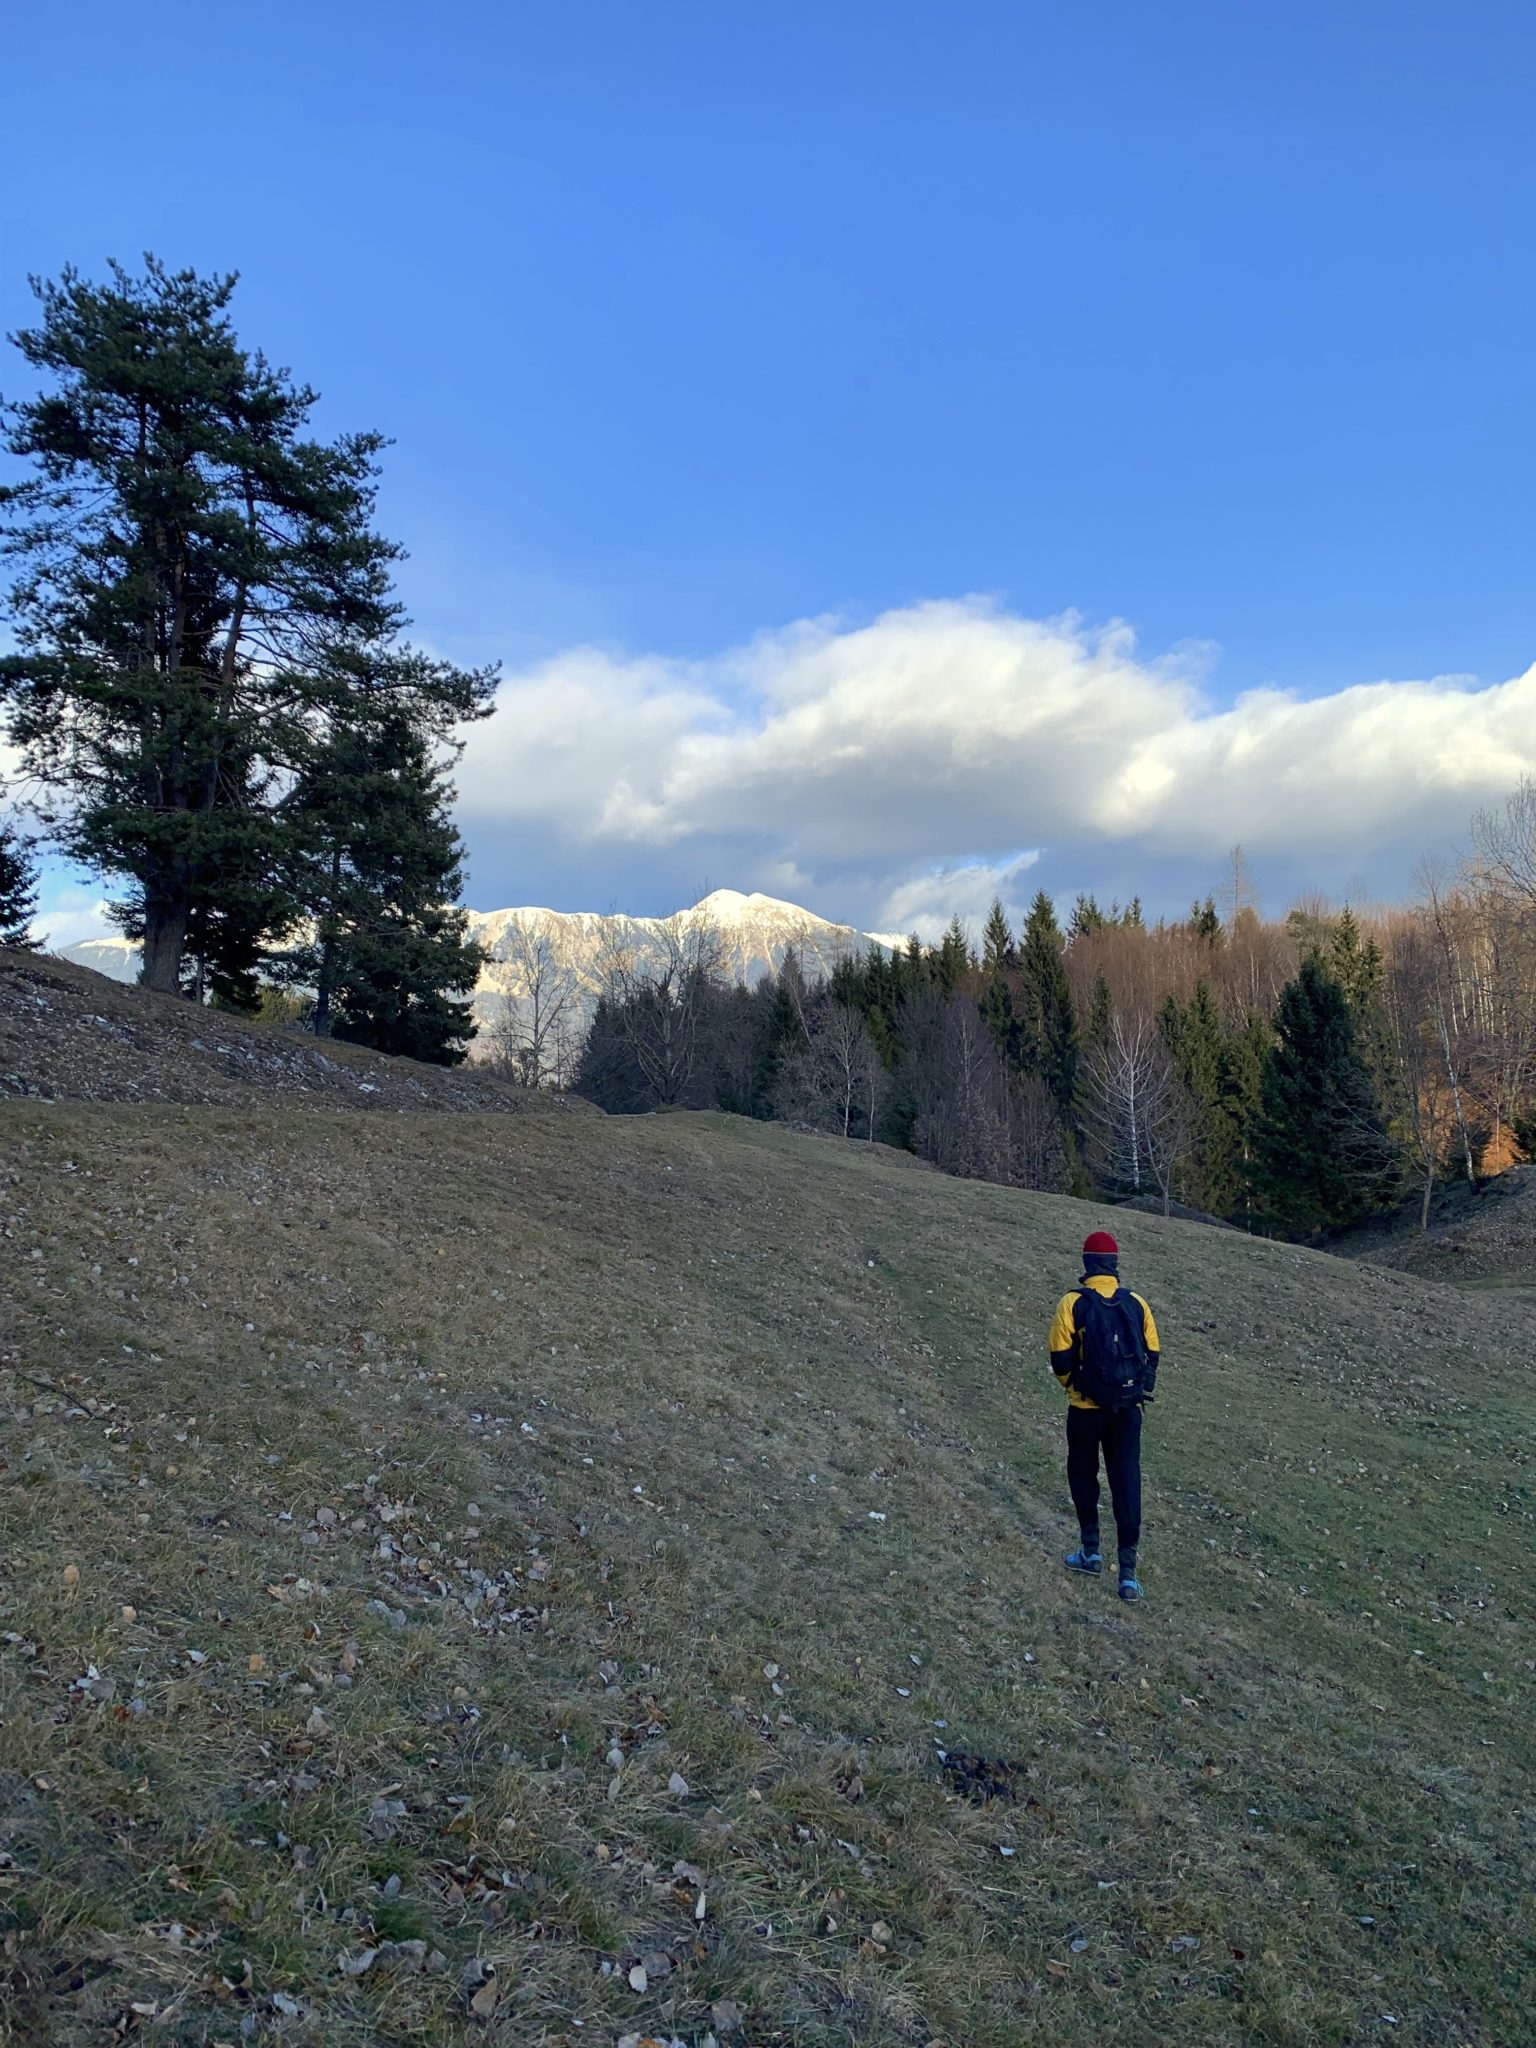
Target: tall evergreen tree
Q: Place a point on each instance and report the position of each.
(1355, 960)
(999, 956)
(1245, 1062)
(1205, 921)
(18, 888)
(998, 952)
(952, 957)
(1086, 918)
(1203, 1061)
(1101, 1012)
(1323, 1156)
(387, 957)
(1047, 1023)
(780, 1024)
(192, 567)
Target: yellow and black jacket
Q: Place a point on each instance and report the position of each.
(1066, 1337)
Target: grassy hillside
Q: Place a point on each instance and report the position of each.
(509, 1579)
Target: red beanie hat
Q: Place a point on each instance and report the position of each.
(1100, 1245)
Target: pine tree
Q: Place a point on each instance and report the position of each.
(1086, 919)
(1047, 1024)
(1245, 1062)
(1355, 962)
(1324, 1159)
(999, 956)
(18, 888)
(1205, 921)
(780, 1024)
(382, 870)
(1101, 1012)
(1202, 1058)
(952, 958)
(193, 571)
(998, 950)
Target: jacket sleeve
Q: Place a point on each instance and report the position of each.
(1063, 1339)
(1153, 1344)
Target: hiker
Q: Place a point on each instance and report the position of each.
(1104, 1350)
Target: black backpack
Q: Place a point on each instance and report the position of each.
(1111, 1368)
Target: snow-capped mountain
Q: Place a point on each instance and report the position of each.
(750, 936)
(117, 959)
(753, 934)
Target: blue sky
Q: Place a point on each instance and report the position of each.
(692, 323)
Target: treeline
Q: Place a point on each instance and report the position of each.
(209, 687)
(1292, 1077)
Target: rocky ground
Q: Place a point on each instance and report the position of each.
(1484, 1239)
(70, 1035)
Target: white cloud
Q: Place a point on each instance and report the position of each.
(875, 758)
(891, 773)
(66, 915)
(926, 903)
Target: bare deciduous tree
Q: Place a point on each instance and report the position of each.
(1144, 1118)
(1424, 1112)
(662, 1000)
(1442, 996)
(1506, 843)
(835, 1077)
(537, 1031)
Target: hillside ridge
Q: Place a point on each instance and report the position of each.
(70, 1034)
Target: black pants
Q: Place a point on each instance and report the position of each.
(1118, 1436)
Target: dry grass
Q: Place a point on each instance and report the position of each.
(261, 1364)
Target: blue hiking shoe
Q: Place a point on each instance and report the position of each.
(1084, 1561)
(1130, 1586)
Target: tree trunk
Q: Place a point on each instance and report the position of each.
(165, 938)
(323, 991)
(327, 975)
